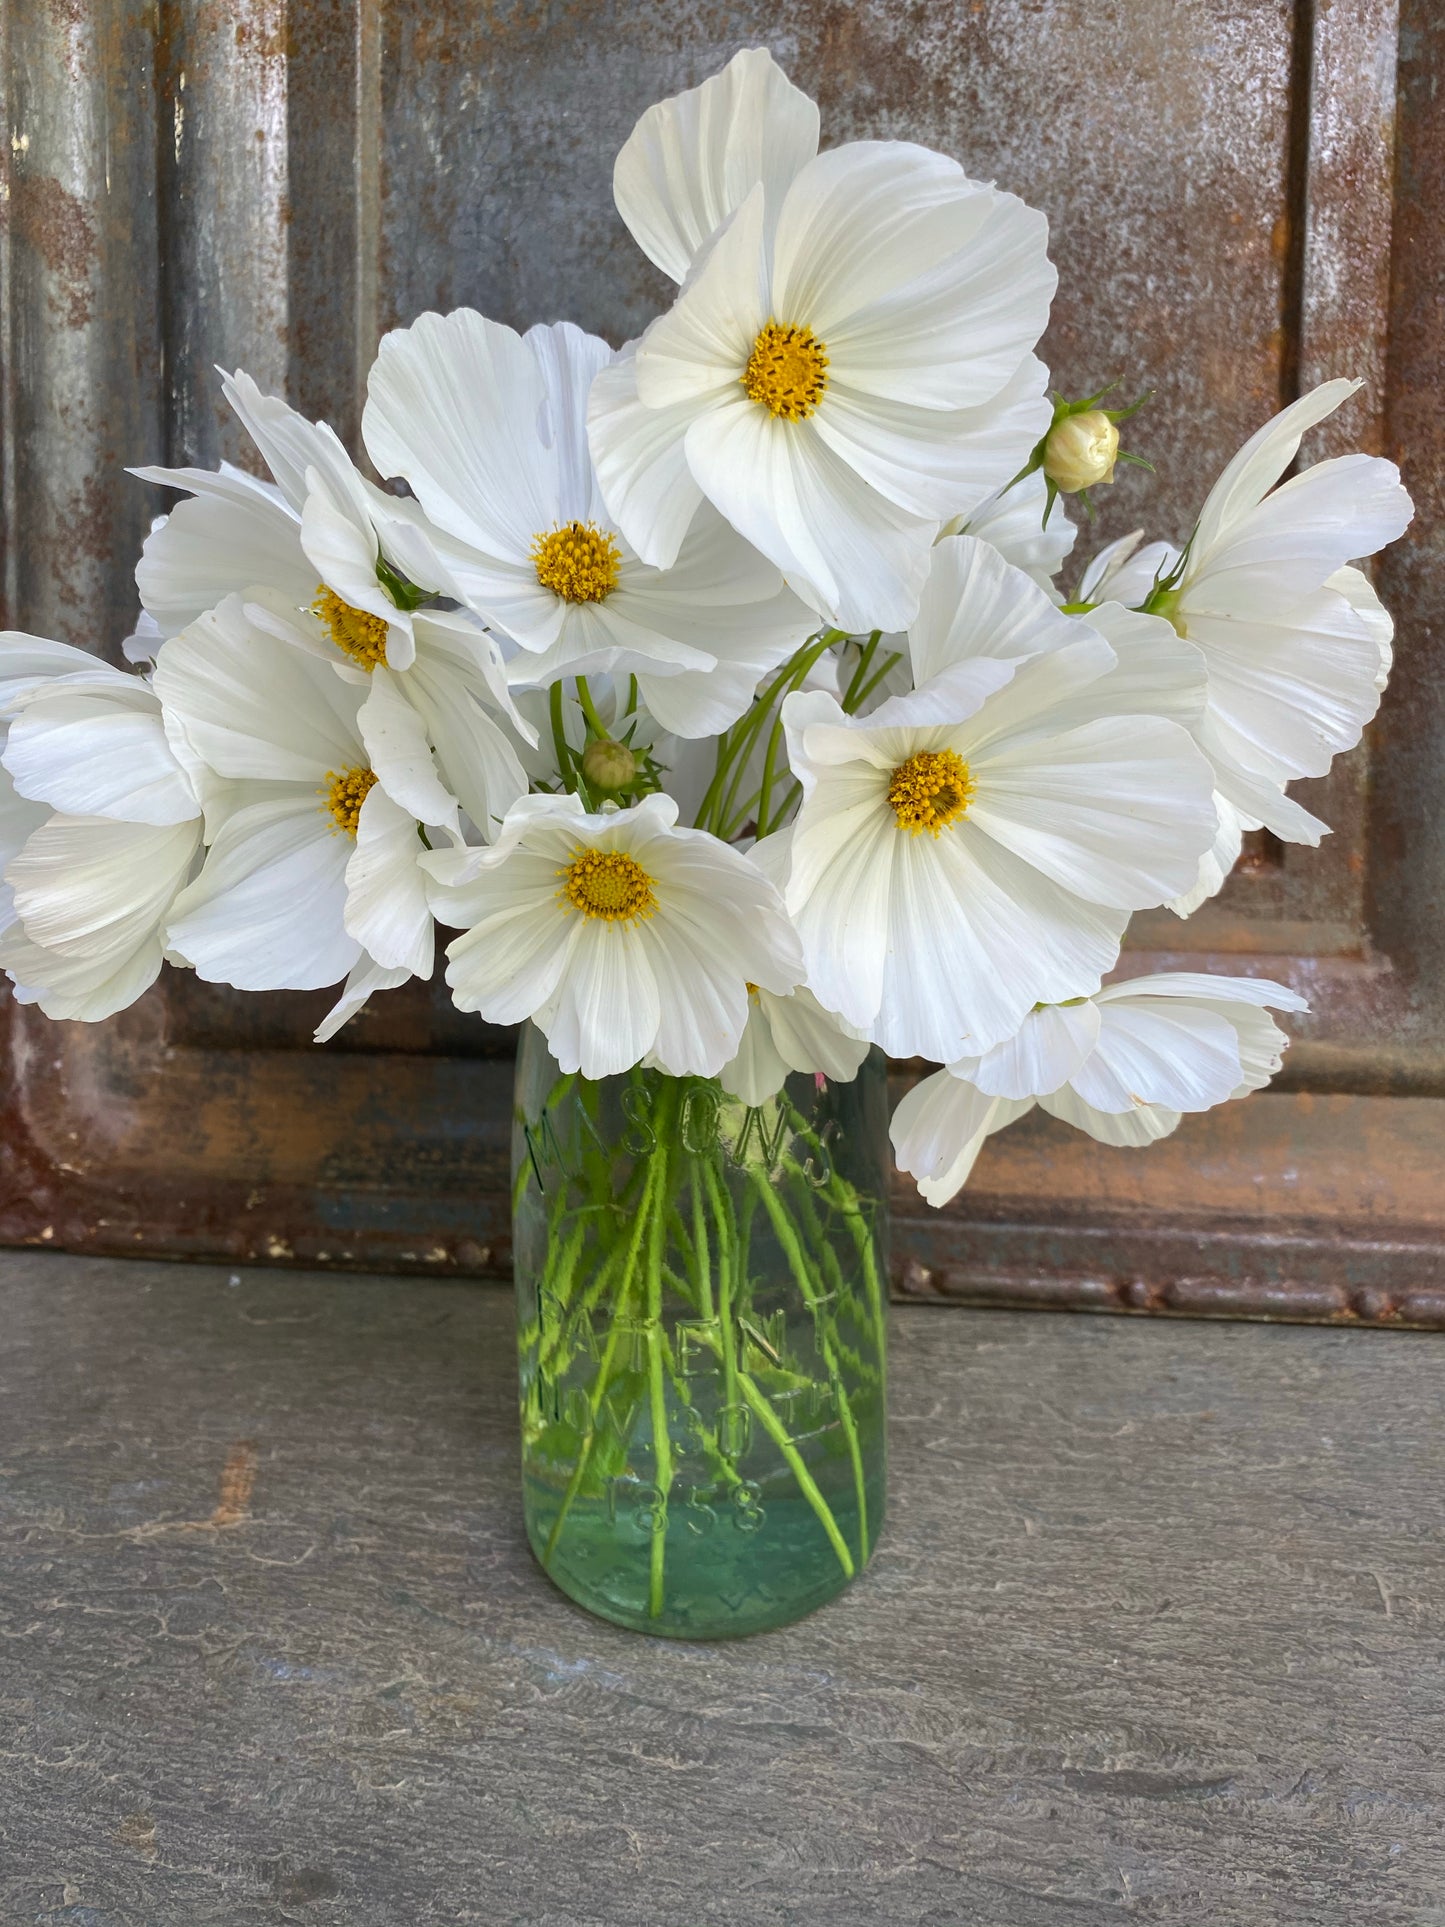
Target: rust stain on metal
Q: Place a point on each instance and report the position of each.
(238, 1481)
(60, 229)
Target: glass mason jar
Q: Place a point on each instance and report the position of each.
(701, 1304)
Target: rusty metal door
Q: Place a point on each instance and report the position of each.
(1240, 195)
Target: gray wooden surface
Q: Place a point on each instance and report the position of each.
(1154, 1635)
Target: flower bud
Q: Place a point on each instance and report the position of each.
(608, 765)
(1080, 451)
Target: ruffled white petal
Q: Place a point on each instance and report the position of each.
(691, 160)
(925, 287)
(228, 537)
(365, 977)
(94, 888)
(939, 1128)
(641, 459)
(90, 751)
(1119, 810)
(386, 897)
(854, 556)
(1011, 520)
(394, 733)
(976, 604)
(1045, 1051)
(266, 911)
(254, 706)
(453, 404)
(1144, 1124)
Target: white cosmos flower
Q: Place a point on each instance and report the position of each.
(100, 827)
(624, 938)
(1012, 521)
(312, 867)
(1123, 1065)
(489, 428)
(849, 360)
(320, 557)
(976, 847)
(1296, 643)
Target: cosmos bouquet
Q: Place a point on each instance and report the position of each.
(720, 693)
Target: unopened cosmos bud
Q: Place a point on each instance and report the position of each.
(1080, 451)
(608, 765)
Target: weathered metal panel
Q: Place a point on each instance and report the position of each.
(81, 347)
(271, 183)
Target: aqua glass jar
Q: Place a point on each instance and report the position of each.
(701, 1304)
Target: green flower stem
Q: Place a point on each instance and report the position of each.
(702, 1257)
(844, 1197)
(560, 747)
(773, 1426)
(589, 708)
(727, 1253)
(609, 1356)
(787, 1237)
(851, 695)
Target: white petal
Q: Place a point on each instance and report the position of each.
(91, 752)
(1302, 532)
(1261, 462)
(1011, 520)
(1119, 811)
(395, 736)
(289, 442)
(266, 912)
(1288, 693)
(757, 1072)
(931, 461)
(1355, 586)
(641, 462)
(603, 1016)
(1145, 1124)
(85, 989)
(1217, 861)
(341, 546)
(217, 544)
(569, 361)
(1123, 572)
(856, 557)
(254, 706)
(925, 286)
(691, 160)
(809, 1038)
(453, 404)
(701, 345)
(478, 760)
(939, 1128)
(28, 661)
(976, 938)
(1169, 1052)
(94, 888)
(365, 977)
(1044, 1052)
(386, 899)
(1158, 672)
(975, 604)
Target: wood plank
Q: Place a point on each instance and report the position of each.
(1154, 1632)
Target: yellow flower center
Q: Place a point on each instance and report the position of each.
(579, 562)
(787, 371)
(608, 884)
(930, 791)
(356, 632)
(345, 793)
